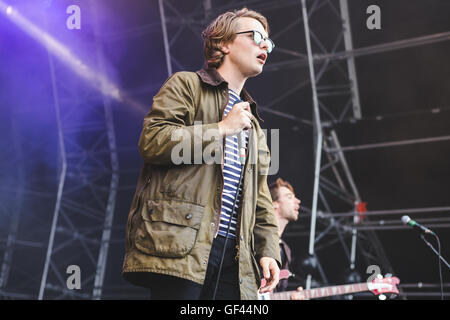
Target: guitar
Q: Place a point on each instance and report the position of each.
(377, 286)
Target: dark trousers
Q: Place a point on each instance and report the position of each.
(164, 287)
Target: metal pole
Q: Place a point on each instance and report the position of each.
(114, 184)
(389, 144)
(62, 178)
(207, 6)
(165, 38)
(15, 215)
(355, 193)
(350, 60)
(390, 46)
(319, 137)
(388, 212)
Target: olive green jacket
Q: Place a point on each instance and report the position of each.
(175, 212)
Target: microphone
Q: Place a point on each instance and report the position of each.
(407, 220)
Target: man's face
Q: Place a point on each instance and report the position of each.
(244, 53)
(288, 204)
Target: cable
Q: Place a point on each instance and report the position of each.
(440, 268)
(228, 230)
(439, 258)
(242, 158)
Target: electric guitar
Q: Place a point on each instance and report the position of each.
(377, 286)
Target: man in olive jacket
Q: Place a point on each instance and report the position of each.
(172, 237)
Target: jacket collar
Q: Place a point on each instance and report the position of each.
(212, 77)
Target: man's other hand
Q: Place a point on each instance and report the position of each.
(271, 273)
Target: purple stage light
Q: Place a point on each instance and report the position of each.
(64, 53)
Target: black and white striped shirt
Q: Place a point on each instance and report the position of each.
(231, 173)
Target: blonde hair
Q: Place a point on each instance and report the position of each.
(222, 31)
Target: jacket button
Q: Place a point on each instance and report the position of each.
(188, 216)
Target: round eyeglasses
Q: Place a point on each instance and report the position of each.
(258, 38)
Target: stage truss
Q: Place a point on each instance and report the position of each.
(87, 178)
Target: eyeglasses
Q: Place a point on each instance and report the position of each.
(258, 38)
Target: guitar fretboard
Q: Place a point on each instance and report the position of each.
(323, 292)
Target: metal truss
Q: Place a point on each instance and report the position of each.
(88, 174)
(333, 177)
(346, 89)
(174, 23)
(333, 102)
(12, 213)
(24, 198)
(87, 182)
(88, 185)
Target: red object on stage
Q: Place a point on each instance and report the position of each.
(361, 208)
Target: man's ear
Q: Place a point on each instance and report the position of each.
(225, 48)
(276, 205)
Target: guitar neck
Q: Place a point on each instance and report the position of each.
(323, 292)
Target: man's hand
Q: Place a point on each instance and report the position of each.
(298, 295)
(271, 273)
(238, 119)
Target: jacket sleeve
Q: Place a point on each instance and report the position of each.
(169, 130)
(266, 229)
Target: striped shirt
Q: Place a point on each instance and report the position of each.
(231, 173)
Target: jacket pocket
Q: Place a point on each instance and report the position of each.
(169, 228)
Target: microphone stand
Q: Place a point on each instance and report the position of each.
(434, 250)
(226, 236)
(438, 253)
(229, 224)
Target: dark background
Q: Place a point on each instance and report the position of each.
(404, 94)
